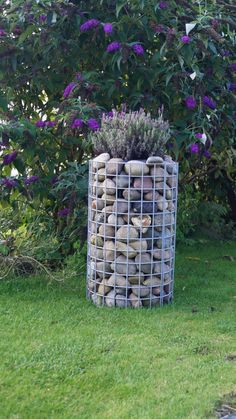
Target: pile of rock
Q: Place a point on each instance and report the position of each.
(131, 231)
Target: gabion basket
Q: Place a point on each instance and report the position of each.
(131, 231)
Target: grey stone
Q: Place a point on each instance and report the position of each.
(143, 183)
(121, 266)
(97, 300)
(99, 217)
(131, 195)
(121, 206)
(103, 288)
(165, 218)
(139, 245)
(141, 291)
(118, 282)
(136, 168)
(98, 204)
(142, 222)
(109, 187)
(158, 173)
(162, 204)
(161, 254)
(100, 175)
(114, 166)
(145, 207)
(108, 209)
(96, 240)
(152, 301)
(109, 251)
(137, 279)
(164, 189)
(96, 252)
(160, 268)
(103, 269)
(108, 199)
(97, 189)
(152, 196)
(125, 249)
(135, 301)
(111, 299)
(172, 181)
(154, 160)
(122, 181)
(92, 285)
(164, 243)
(122, 301)
(127, 234)
(115, 220)
(143, 262)
(106, 230)
(100, 160)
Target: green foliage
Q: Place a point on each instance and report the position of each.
(133, 135)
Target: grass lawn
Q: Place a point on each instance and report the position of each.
(61, 357)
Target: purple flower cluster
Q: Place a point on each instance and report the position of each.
(68, 89)
(31, 179)
(232, 87)
(108, 28)
(185, 39)
(207, 154)
(163, 5)
(79, 77)
(43, 18)
(2, 32)
(63, 212)
(9, 158)
(138, 49)
(194, 148)
(209, 103)
(9, 182)
(113, 46)
(93, 124)
(77, 123)
(42, 124)
(190, 102)
(90, 24)
(198, 136)
(233, 67)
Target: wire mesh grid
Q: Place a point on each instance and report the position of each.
(131, 232)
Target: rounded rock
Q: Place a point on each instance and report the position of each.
(122, 301)
(100, 175)
(98, 204)
(140, 245)
(131, 195)
(142, 222)
(160, 268)
(121, 266)
(152, 196)
(103, 269)
(106, 230)
(115, 220)
(109, 187)
(158, 173)
(121, 206)
(108, 199)
(154, 160)
(136, 168)
(96, 240)
(96, 252)
(111, 299)
(143, 262)
(109, 251)
(145, 207)
(97, 189)
(97, 300)
(135, 301)
(127, 234)
(125, 249)
(103, 288)
(141, 291)
(114, 166)
(100, 160)
(143, 183)
(122, 181)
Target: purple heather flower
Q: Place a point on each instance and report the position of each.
(31, 179)
(2, 32)
(207, 101)
(50, 123)
(78, 123)
(185, 39)
(93, 124)
(233, 67)
(92, 23)
(63, 212)
(194, 148)
(232, 87)
(79, 77)
(110, 114)
(113, 46)
(9, 183)
(9, 158)
(190, 102)
(225, 53)
(43, 18)
(198, 136)
(138, 49)
(163, 5)
(40, 124)
(108, 28)
(68, 89)
(207, 154)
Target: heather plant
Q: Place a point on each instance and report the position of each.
(133, 135)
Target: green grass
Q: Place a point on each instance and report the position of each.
(61, 357)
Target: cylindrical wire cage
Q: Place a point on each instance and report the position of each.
(131, 231)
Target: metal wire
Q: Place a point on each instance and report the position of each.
(142, 212)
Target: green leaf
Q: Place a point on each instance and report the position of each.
(119, 6)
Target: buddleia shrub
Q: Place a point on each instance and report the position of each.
(132, 135)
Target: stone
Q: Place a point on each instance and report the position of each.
(142, 222)
(108, 209)
(155, 283)
(172, 181)
(92, 285)
(164, 243)
(97, 299)
(161, 254)
(136, 168)
(100, 160)
(121, 266)
(143, 262)
(98, 204)
(103, 269)
(122, 181)
(151, 236)
(122, 301)
(100, 176)
(171, 168)
(135, 301)
(115, 220)
(96, 240)
(162, 187)
(103, 288)
(109, 187)
(125, 249)
(108, 199)
(162, 204)
(93, 228)
(114, 166)
(110, 300)
(141, 291)
(154, 160)
(131, 195)
(152, 301)
(160, 268)
(143, 183)
(145, 207)
(152, 196)
(99, 217)
(140, 245)
(106, 230)
(168, 158)
(171, 206)
(127, 234)
(97, 189)
(164, 218)
(118, 281)
(137, 279)
(121, 206)
(109, 251)
(96, 252)
(158, 173)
